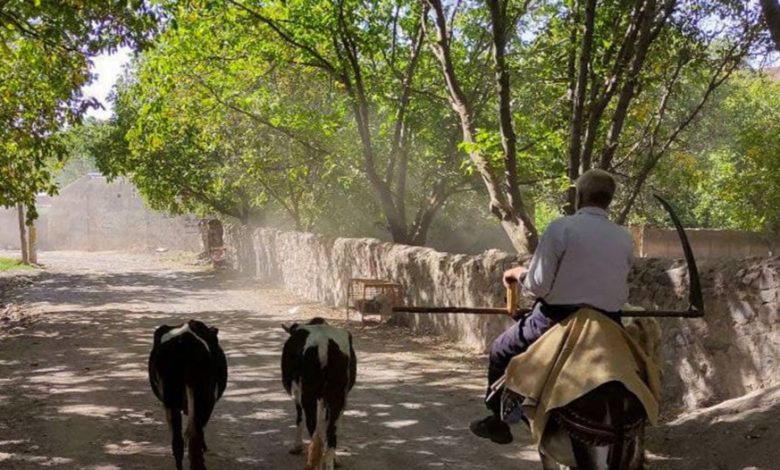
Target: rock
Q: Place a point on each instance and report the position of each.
(768, 295)
(742, 312)
(768, 280)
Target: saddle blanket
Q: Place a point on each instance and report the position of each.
(577, 355)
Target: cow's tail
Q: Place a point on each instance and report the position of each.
(195, 439)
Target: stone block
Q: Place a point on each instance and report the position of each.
(768, 295)
(770, 313)
(742, 312)
(768, 279)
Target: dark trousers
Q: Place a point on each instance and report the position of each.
(519, 337)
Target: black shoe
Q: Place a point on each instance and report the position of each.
(492, 428)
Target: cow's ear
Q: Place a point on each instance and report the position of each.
(289, 329)
(160, 331)
(214, 330)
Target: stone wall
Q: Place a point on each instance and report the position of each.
(730, 352)
(735, 348)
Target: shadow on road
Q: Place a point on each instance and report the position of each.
(74, 391)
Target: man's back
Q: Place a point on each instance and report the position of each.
(583, 259)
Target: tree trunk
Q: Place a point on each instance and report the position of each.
(772, 17)
(517, 224)
(23, 234)
(577, 161)
(32, 244)
(627, 93)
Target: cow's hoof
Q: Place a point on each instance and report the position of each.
(297, 450)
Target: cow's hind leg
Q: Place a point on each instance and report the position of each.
(177, 442)
(330, 450)
(338, 385)
(195, 448)
(311, 411)
(297, 447)
(194, 433)
(335, 406)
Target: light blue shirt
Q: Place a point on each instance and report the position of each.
(582, 259)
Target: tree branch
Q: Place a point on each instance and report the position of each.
(508, 138)
(727, 66)
(577, 161)
(360, 105)
(403, 102)
(644, 40)
(771, 9)
(610, 87)
(287, 132)
(320, 61)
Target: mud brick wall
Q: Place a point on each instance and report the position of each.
(92, 214)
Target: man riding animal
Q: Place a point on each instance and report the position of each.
(582, 260)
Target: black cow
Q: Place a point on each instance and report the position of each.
(188, 373)
(318, 370)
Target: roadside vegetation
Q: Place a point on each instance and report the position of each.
(12, 264)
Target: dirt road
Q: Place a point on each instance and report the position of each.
(74, 391)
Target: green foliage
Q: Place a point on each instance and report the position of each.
(225, 115)
(544, 214)
(79, 143)
(327, 114)
(730, 175)
(206, 124)
(690, 53)
(44, 51)
(38, 93)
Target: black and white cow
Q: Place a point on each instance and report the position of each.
(318, 370)
(188, 373)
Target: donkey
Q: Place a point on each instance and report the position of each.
(601, 426)
(606, 427)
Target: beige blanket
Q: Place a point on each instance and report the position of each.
(574, 357)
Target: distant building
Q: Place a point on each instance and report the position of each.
(92, 214)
